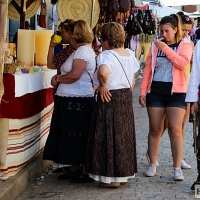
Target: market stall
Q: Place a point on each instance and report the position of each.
(27, 100)
(27, 106)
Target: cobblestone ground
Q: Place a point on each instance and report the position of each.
(162, 186)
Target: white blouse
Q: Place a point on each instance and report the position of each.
(193, 88)
(117, 78)
(83, 86)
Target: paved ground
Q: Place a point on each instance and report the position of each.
(162, 186)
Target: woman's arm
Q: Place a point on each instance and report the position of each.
(194, 107)
(103, 89)
(50, 54)
(78, 67)
(146, 74)
(180, 59)
(102, 75)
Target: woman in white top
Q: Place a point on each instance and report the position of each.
(111, 153)
(67, 140)
(192, 96)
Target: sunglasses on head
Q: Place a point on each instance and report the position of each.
(187, 19)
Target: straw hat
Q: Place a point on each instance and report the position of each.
(79, 9)
(30, 11)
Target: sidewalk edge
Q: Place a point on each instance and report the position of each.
(16, 185)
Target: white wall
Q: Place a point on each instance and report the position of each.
(138, 2)
(48, 21)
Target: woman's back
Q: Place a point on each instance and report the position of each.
(122, 65)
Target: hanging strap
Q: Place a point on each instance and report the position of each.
(122, 68)
(91, 80)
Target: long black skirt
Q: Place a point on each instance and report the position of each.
(67, 139)
(111, 148)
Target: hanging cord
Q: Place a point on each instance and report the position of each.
(122, 68)
(91, 80)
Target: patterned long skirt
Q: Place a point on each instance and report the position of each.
(68, 136)
(111, 152)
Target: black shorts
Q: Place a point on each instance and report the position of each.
(166, 100)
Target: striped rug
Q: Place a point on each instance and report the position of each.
(26, 139)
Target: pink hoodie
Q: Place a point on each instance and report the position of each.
(179, 59)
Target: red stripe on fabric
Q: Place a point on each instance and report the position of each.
(28, 144)
(22, 107)
(14, 132)
(16, 168)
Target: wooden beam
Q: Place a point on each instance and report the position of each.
(22, 15)
(16, 6)
(28, 3)
(20, 10)
(22, 20)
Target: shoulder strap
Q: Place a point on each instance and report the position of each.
(91, 80)
(122, 68)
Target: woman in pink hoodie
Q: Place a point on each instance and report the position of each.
(163, 90)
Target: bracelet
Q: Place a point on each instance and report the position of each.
(58, 78)
(102, 85)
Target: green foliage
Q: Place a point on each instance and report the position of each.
(9, 2)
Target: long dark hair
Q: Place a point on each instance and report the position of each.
(174, 21)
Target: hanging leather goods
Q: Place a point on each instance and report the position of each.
(133, 27)
(148, 24)
(42, 16)
(123, 5)
(112, 10)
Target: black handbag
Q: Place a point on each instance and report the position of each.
(133, 27)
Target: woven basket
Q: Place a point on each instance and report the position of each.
(30, 12)
(9, 68)
(79, 9)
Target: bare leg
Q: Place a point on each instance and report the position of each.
(165, 126)
(175, 120)
(155, 130)
(184, 119)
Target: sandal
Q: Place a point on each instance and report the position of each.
(110, 185)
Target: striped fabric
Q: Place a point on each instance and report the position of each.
(26, 139)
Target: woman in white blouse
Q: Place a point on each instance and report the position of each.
(111, 153)
(193, 96)
(67, 140)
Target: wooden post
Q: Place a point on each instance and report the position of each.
(92, 13)
(22, 10)
(3, 122)
(22, 15)
(3, 21)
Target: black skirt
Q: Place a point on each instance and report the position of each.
(111, 148)
(67, 139)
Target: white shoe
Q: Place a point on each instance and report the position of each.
(178, 174)
(148, 159)
(184, 165)
(151, 171)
